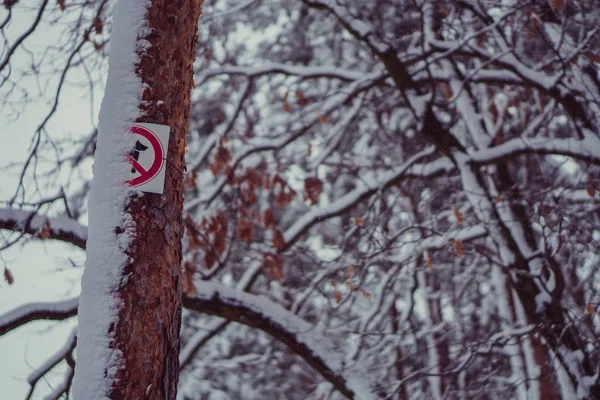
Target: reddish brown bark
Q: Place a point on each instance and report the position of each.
(149, 319)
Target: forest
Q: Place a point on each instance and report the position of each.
(383, 199)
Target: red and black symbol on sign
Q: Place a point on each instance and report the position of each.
(156, 150)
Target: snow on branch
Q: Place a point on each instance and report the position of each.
(494, 76)
(506, 60)
(355, 26)
(229, 11)
(64, 353)
(199, 339)
(38, 311)
(285, 69)
(31, 223)
(350, 199)
(300, 336)
(585, 150)
(216, 325)
(262, 144)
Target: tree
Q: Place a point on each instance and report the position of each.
(130, 307)
(402, 193)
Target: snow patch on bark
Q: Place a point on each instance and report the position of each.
(106, 248)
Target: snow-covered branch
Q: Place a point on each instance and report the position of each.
(215, 326)
(64, 353)
(300, 336)
(29, 222)
(263, 144)
(585, 150)
(299, 71)
(351, 199)
(199, 339)
(38, 311)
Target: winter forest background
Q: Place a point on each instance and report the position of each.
(394, 198)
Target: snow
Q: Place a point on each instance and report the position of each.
(33, 222)
(29, 311)
(512, 349)
(286, 69)
(96, 361)
(354, 25)
(321, 346)
(506, 59)
(567, 390)
(587, 149)
(201, 336)
(351, 198)
(38, 373)
(337, 134)
(198, 339)
(259, 144)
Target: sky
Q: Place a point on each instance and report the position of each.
(43, 271)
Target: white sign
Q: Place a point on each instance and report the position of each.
(148, 157)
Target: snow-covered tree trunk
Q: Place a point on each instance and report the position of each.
(130, 307)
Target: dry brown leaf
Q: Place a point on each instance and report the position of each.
(45, 232)
(313, 187)
(594, 57)
(350, 274)
(190, 179)
(269, 218)
(458, 248)
(446, 90)
(350, 271)
(8, 276)
(188, 286)
(558, 4)
(301, 100)
(98, 25)
(350, 285)
(285, 196)
(358, 221)
(61, 4)
(542, 208)
(278, 239)
(273, 265)
(458, 215)
(535, 23)
(286, 105)
(248, 195)
(428, 259)
(516, 101)
(222, 158)
(209, 259)
(365, 294)
(590, 187)
(336, 293)
(590, 309)
(245, 230)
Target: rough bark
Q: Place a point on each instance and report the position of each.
(147, 330)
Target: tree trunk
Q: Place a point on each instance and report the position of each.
(148, 328)
(143, 332)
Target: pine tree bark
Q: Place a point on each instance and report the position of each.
(146, 332)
